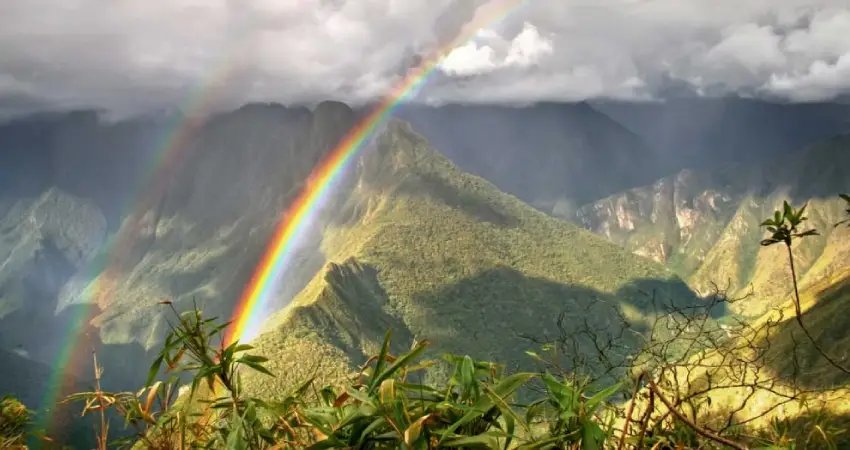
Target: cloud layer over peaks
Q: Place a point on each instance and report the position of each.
(136, 55)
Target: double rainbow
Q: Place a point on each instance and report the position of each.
(169, 157)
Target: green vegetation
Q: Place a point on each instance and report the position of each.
(491, 284)
(784, 228)
(14, 423)
(389, 403)
(706, 225)
(432, 252)
(383, 406)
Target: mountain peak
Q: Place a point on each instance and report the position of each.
(332, 108)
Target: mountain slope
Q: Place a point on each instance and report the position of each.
(437, 254)
(700, 133)
(544, 154)
(705, 225)
(44, 240)
(200, 242)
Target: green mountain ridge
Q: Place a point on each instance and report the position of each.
(705, 225)
(438, 254)
(200, 242)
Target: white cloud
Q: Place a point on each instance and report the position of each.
(527, 48)
(820, 82)
(470, 59)
(474, 58)
(138, 54)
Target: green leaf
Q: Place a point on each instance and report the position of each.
(808, 233)
(377, 423)
(252, 359)
(503, 389)
(564, 395)
(258, 368)
(601, 396)
(402, 361)
(592, 436)
(801, 211)
(487, 438)
(382, 356)
(542, 444)
(467, 374)
(157, 363)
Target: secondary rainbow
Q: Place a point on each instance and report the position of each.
(168, 157)
(248, 314)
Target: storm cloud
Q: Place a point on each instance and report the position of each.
(137, 55)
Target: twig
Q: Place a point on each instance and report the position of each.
(629, 413)
(799, 316)
(701, 431)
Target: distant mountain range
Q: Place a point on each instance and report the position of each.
(432, 234)
(705, 224)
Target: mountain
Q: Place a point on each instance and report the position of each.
(82, 155)
(705, 225)
(700, 133)
(44, 240)
(201, 240)
(552, 155)
(434, 253)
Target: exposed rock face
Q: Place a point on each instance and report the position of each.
(675, 209)
(44, 241)
(705, 225)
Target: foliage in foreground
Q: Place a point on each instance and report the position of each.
(385, 406)
(14, 421)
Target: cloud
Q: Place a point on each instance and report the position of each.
(137, 55)
(524, 51)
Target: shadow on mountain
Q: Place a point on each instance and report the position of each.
(498, 314)
(466, 200)
(350, 310)
(817, 171)
(794, 358)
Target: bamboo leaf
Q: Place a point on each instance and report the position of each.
(602, 396)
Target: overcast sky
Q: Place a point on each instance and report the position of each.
(133, 55)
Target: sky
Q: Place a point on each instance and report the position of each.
(129, 56)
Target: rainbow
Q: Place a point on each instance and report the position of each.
(169, 156)
(296, 220)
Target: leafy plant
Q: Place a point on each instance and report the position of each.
(383, 406)
(228, 418)
(14, 423)
(784, 228)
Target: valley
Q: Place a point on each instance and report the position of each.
(482, 230)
